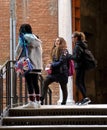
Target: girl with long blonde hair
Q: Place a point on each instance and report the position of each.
(59, 69)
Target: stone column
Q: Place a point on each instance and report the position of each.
(65, 31)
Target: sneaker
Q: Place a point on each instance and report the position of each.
(38, 104)
(79, 102)
(84, 101)
(30, 105)
(41, 99)
(63, 103)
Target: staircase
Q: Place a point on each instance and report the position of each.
(57, 117)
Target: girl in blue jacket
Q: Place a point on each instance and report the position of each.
(59, 69)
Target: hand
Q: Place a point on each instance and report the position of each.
(48, 67)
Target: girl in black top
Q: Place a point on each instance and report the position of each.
(78, 38)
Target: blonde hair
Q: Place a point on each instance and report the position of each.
(82, 36)
(56, 51)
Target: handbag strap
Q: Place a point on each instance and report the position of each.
(26, 51)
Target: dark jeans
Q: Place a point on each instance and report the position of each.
(32, 83)
(80, 83)
(51, 79)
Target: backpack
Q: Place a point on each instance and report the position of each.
(89, 59)
(70, 67)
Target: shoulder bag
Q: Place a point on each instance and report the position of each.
(23, 65)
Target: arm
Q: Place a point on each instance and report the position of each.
(77, 53)
(31, 38)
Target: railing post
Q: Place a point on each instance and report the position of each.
(1, 93)
(10, 87)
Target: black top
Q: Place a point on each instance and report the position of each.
(78, 54)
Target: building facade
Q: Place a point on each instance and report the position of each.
(52, 18)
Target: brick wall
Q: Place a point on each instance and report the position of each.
(4, 31)
(42, 15)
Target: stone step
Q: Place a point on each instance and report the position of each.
(55, 120)
(60, 110)
(56, 127)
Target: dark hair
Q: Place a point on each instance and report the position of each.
(25, 28)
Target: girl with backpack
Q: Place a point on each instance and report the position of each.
(78, 38)
(59, 69)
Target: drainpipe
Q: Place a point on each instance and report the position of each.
(65, 31)
(12, 40)
(12, 30)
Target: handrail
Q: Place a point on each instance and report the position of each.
(13, 88)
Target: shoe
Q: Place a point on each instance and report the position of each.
(31, 104)
(38, 104)
(77, 103)
(84, 101)
(41, 99)
(63, 103)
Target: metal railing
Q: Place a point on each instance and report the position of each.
(13, 88)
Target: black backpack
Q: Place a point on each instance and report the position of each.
(89, 60)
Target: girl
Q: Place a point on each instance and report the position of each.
(35, 54)
(59, 69)
(78, 38)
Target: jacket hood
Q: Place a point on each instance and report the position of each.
(82, 44)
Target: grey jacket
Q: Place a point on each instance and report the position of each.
(34, 50)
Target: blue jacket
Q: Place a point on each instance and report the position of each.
(60, 68)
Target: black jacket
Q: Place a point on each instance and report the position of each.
(78, 54)
(60, 68)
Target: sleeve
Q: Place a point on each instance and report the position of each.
(31, 38)
(77, 54)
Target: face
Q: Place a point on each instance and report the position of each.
(57, 42)
(74, 39)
